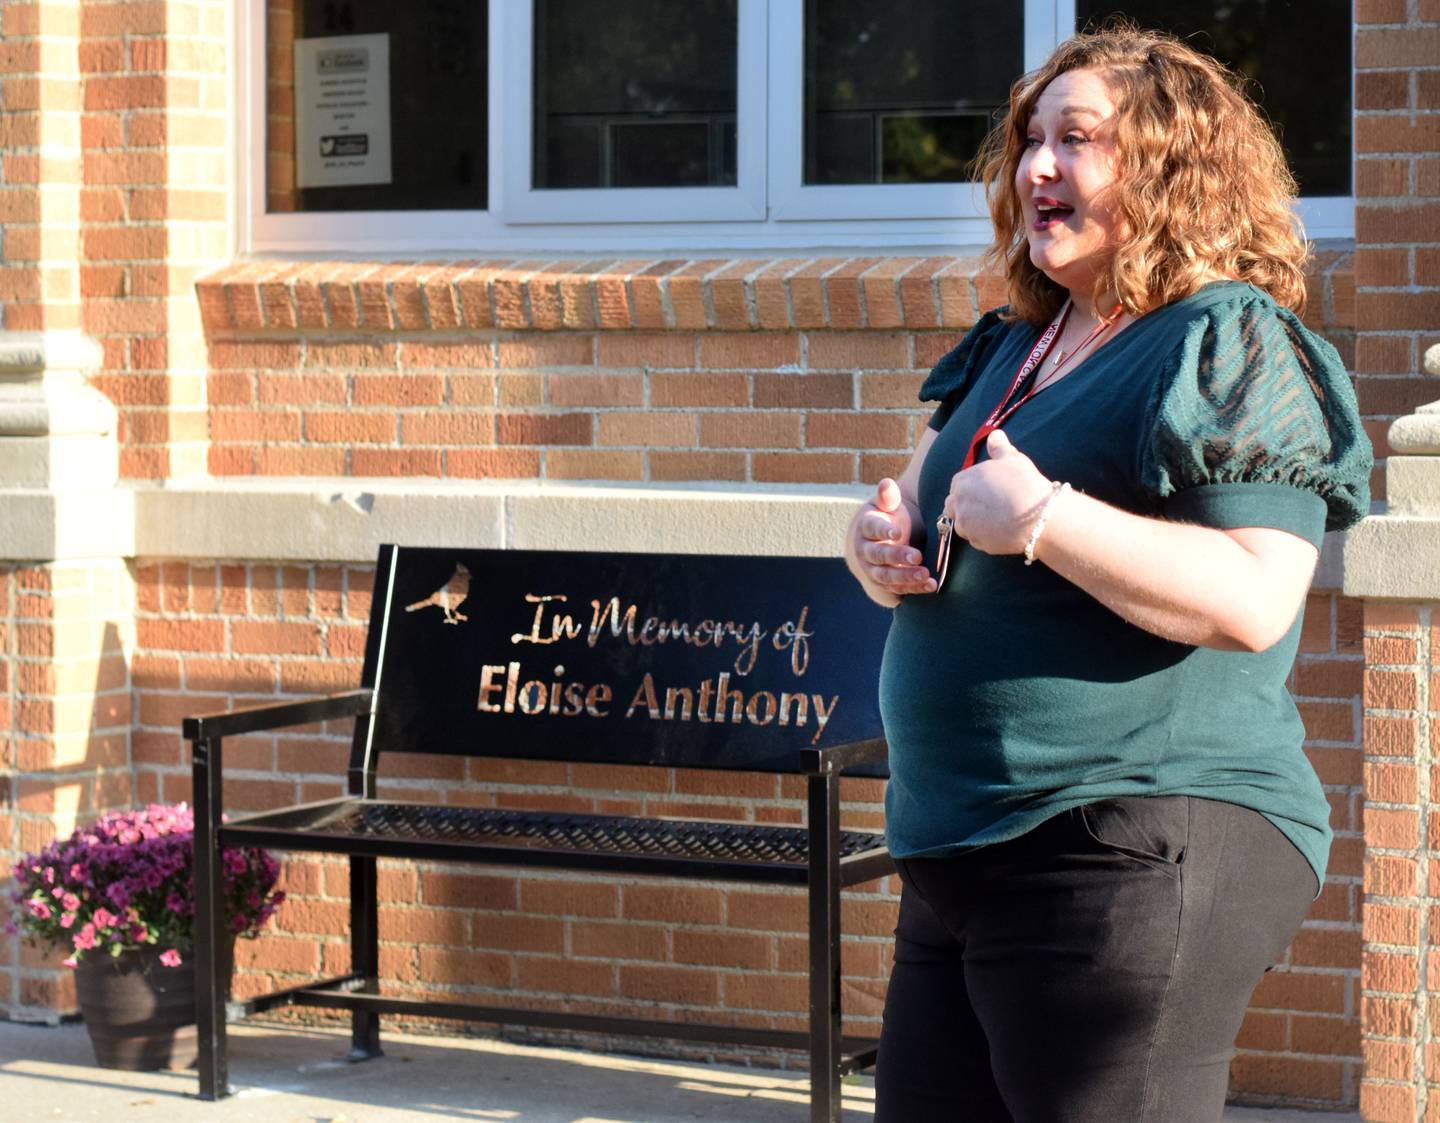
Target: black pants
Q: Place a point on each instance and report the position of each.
(1095, 970)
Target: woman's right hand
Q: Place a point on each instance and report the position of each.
(879, 548)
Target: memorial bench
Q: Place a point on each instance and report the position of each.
(738, 664)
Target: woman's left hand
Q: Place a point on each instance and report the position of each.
(995, 503)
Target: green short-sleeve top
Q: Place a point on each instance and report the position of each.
(1013, 695)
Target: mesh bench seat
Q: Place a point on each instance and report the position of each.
(620, 844)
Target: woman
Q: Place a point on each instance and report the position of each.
(1105, 826)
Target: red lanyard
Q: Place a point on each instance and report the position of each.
(1001, 413)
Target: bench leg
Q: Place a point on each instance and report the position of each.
(364, 956)
(824, 817)
(211, 988)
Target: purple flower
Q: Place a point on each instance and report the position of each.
(127, 879)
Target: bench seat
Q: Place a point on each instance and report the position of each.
(599, 843)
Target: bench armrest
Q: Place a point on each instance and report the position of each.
(277, 715)
(822, 761)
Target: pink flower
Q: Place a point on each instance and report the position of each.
(38, 908)
(104, 918)
(70, 901)
(67, 919)
(70, 962)
(85, 938)
(170, 958)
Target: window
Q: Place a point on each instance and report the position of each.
(643, 98)
(641, 125)
(1273, 46)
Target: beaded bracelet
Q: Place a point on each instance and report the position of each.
(1055, 489)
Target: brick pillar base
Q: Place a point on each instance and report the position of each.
(65, 698)
(1401, 882)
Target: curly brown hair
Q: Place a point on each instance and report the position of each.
(1201, 181)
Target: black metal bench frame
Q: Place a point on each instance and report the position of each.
(818, 856)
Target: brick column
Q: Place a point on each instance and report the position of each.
(1394, 562)
(39, 164)
(156, 213)
(65, 596)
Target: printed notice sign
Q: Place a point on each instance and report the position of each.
(342, 110)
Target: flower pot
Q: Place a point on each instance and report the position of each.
(139, 1013)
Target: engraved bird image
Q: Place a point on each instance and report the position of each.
(448, 597)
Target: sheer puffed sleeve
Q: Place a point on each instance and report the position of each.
(1255, 423)
(950, 378)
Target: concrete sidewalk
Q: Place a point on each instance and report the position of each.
(291, 1075)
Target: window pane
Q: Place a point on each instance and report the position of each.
(904, 98)
(428, 109)
(1296, 54)
(635, 93)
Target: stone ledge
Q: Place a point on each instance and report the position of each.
(1393, 557)
(680, 293)
(346, 520)
(62, 525)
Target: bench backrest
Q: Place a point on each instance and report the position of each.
(733, 663)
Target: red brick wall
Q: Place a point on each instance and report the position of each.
(1300, 1042)
(795, 370)
(1397, 206)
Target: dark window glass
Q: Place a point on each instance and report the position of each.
(905, 93)
(437, 109)
(1296, 54)
(635, 93)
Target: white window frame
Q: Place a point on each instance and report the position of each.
(769, 210)
(521, 202)
(792, 200)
